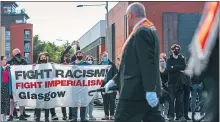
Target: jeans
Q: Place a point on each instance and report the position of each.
(63, 109)
(89, 109)
(52, 112)
(196, 90)
(164, 108)
(82, 113)
(186, 102)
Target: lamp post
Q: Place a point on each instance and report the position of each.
(109, 44)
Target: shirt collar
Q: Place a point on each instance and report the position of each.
(139, 22)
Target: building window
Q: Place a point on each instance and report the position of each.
(27, 57)
(27, 34)
(19, 21)
(7, 54)
(7, 41)
(26, 47)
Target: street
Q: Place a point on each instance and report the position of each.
(98, 113)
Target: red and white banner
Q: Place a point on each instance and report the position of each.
(56, 85)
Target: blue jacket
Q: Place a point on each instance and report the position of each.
(10, 79)
(111, 73)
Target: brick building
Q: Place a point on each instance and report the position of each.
(175, 23)
(18, 33)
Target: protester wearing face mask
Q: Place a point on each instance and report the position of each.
(17, 60)
(89, 109)
(175, 65)
(66, 59)
(109, 98)
(164, 99)
(42, 59)
(79, 61)
(6, 89)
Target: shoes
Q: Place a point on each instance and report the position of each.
(26, 115)
(55, 117)
(105, 118)
(37, 119)
(187, 118)
(112, 118)
(46, 119)
(64, 117)
(10, 118)
(92, 118)
(171, 119)
(22, 118)
(165, 117)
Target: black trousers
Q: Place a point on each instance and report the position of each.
(136, 111)
(177, 97)
(63, 109)
(186, 90)
(15, 113)
(109, 103)
(52, 112)
(38, 113)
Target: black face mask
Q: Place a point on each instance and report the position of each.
(79, 57)
(176, 52)
(43, 61)
(67, 60)
(18, 57)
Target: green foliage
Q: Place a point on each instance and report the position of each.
(53, 50)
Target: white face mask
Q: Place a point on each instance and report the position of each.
(90, 62)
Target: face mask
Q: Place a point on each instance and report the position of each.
(18, 57)
(43, 61)
(79, 57)
(176, 52)
(105, 59)
(67, 60)
(163, 64)
(90, 62)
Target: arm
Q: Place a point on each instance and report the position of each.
(114, 69)
(64, 53)
(77, 47)
(10, 82)
(145, 50)
(182, 66)
(173, 68)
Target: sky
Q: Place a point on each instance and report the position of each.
(63, 20)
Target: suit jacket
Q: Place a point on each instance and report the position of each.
(139, 68)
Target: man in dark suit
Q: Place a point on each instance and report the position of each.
(138, 78)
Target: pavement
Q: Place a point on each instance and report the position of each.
(98, 113)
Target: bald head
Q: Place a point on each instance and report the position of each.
(137, 9)
(15, 51)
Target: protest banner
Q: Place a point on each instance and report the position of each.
(56, 85)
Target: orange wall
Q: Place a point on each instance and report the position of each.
(154, 12)
(17, 38)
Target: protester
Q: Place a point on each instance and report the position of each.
(164, 100)
(17, 60)
(89, 109)
(77, 49)
(176, 64)
(42, 59)
(66, 60)
(186, 95)
(52, 110)
(109, 98)
(6, 89)
(138, 78)
(118, 62)
(197, 88)
(79, 61)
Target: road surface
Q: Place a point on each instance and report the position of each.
(98, 113)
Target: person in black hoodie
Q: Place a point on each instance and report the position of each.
(18, 60)
(67, 60)
(109, 98)
(175, 67)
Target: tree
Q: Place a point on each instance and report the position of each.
(53, 50)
